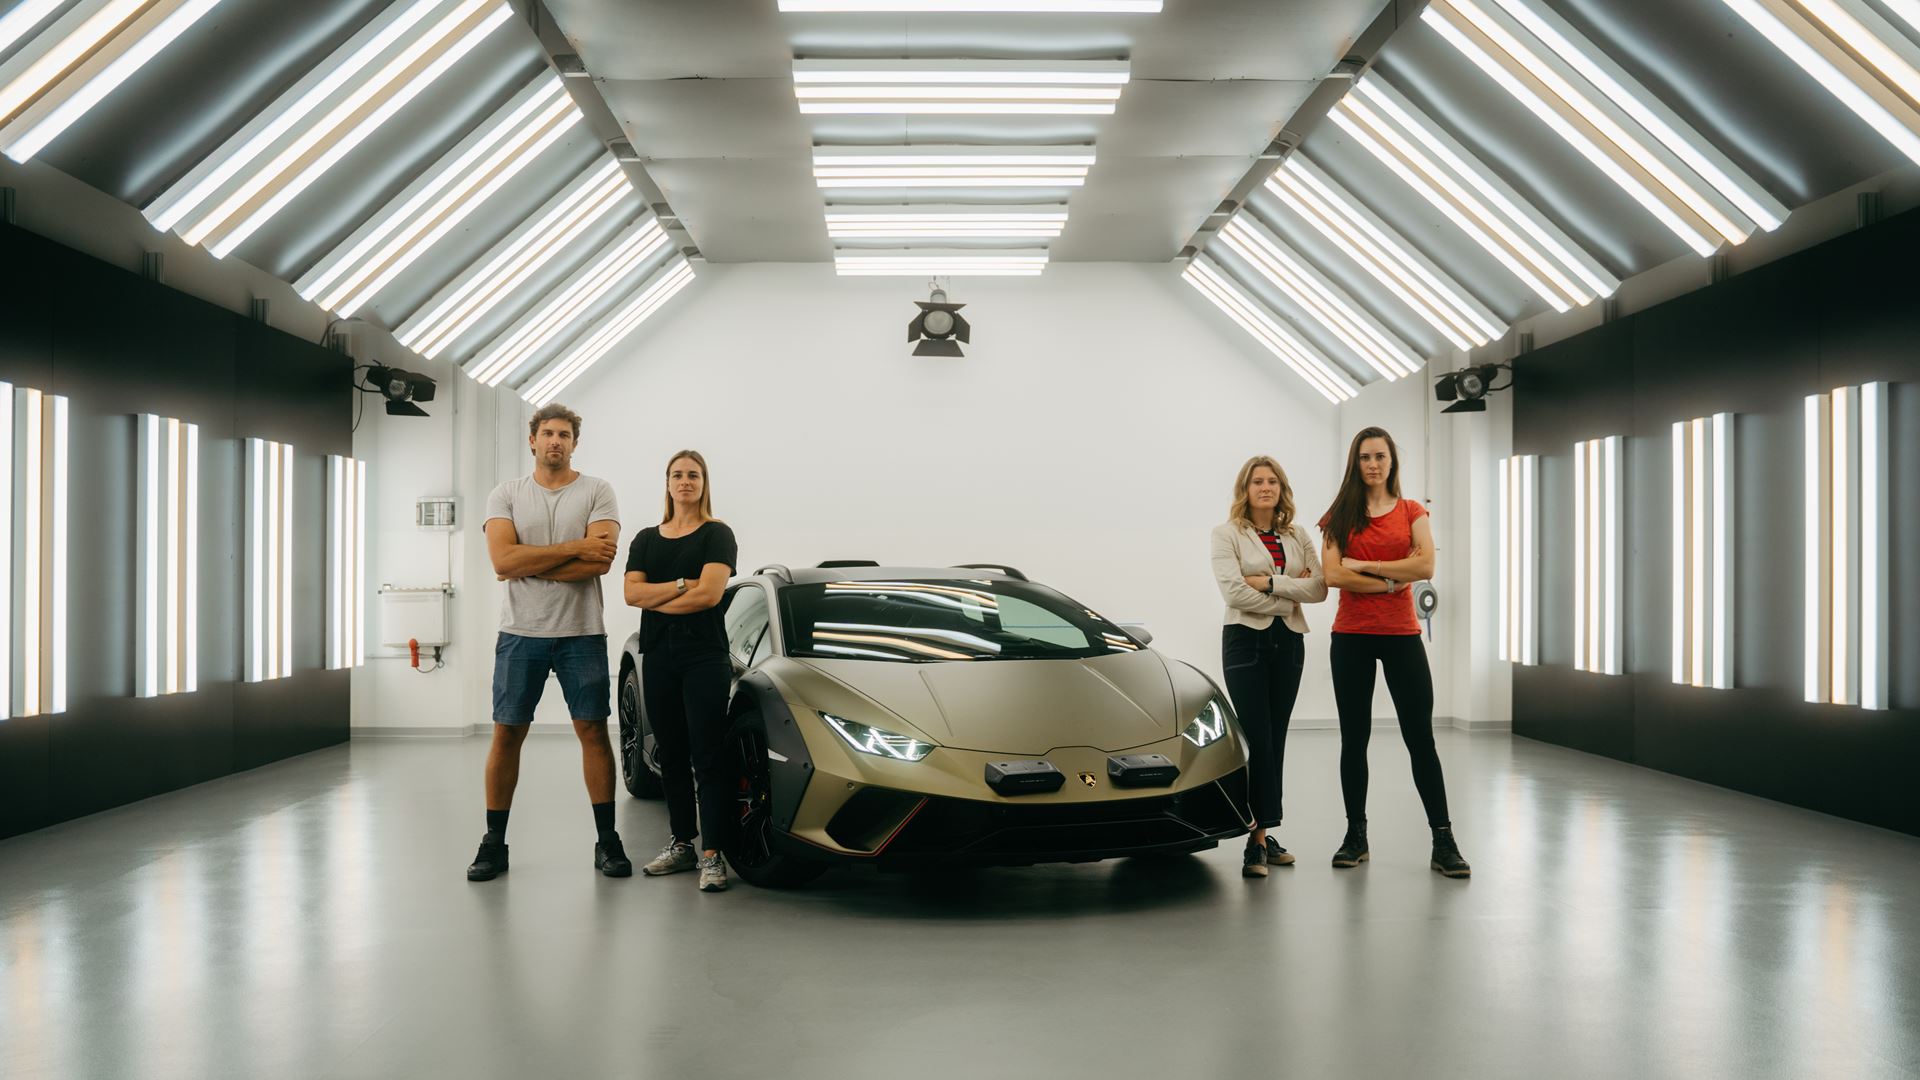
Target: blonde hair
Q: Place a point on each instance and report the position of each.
(706, 486)
(1242, 510)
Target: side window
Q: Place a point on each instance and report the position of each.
(746, 622)
(1030, 620)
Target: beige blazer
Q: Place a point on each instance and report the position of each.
(1239, 553)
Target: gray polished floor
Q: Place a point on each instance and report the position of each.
(310, 919)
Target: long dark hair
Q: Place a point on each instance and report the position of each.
(1348, 514)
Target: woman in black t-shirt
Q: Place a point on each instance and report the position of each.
(677, 575)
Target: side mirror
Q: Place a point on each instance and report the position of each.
(1139, 631)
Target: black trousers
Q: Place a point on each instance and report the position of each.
(1404, 658)
(686, 697)
(1263, 679)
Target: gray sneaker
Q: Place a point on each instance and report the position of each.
(676, 856)
(713, 874)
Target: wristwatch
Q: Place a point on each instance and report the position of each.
(680, 585)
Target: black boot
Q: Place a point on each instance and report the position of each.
(610, 857)
(1353, 850)
(1446, 854)
(491, 862)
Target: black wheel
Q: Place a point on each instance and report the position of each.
(641, 781)
(751, 854)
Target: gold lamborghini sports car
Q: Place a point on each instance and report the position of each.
(896, 716)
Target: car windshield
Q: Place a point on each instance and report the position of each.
(934, 621)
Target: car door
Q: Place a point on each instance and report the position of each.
(748, 615)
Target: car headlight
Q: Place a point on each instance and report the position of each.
(1209, 727)
(877, 741)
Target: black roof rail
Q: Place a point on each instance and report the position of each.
(838, 564)
(1001, 568)
(778, 570)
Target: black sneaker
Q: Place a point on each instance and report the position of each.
(1253, 860)
(610, 858)
(1353, 849)
(1277, 855)
(491, 862)
(1446, 855)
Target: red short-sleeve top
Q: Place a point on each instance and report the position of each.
(1386, 538)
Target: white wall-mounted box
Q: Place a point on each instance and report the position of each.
(418, 614)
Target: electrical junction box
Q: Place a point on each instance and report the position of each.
(414, 613)
(435, 513)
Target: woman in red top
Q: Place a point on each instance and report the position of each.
(1373, 544)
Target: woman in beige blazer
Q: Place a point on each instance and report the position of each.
(1266, 567)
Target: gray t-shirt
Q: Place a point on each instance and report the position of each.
(535, 607)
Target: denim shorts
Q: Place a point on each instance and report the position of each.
(520, 666)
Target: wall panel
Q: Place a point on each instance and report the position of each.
(1755, 345)
(119, 345)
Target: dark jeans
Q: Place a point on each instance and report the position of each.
(1263, 678)
(686, 699)
(1404, 658)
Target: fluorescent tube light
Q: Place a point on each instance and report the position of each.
(1702, 551)
(1209, 278)
(1609, 118)
(548, 233)
(1875, 493)
(1816, 486)
(609, 331)
(1847, 449)
(98, 46)
(938, 262)
(311, 127)
(437, 202)
(1517, 634)
(269, 562)
(621, 258)
(1492, 214)
(946, 222)
(1854, 53)
(1383, 254)
(346, 561)
(1330, 306)
(908, 87)
(865, 169)
(912, 7)
(167, 609)
(1597, 548)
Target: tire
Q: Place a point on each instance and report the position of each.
(751, 853)
(640, 779)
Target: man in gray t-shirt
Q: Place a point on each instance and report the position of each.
(552, 535)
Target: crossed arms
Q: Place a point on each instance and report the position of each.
(1363, 576)
(574, 560)
(666, 598)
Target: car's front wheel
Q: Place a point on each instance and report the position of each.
(751, 854)
(640, 779)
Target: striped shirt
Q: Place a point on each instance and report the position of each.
(1272, 540)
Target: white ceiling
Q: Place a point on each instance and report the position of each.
(705, 93)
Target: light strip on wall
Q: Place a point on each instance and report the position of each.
(67, 69)
(1846, 546)
(1702, 602)
(33, 551)
(1329, 305)
(549, 232)
(1610, 119)
(166, 593)
(1212, 281)
(346, 561)
(909, 7)
(1519, 601)
(1859, 58)
(1035, 167)
(609, 331)
(978, 263)
(311, 127)
(269, 560)
(1597, 555)
(619, 259)
(1383, 254)
(910, 87)
(1454, 182)
(436, 203)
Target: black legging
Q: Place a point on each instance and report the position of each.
(686, 698)
(1404, 658)
(1263, 678)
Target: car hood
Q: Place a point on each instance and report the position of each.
(1021, 707)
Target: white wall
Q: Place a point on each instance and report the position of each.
(1090, 437)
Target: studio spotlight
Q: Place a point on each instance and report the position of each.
(1468, 388)
(402, 389)
(937, 327)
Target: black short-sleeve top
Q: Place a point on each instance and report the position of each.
(664, 559)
